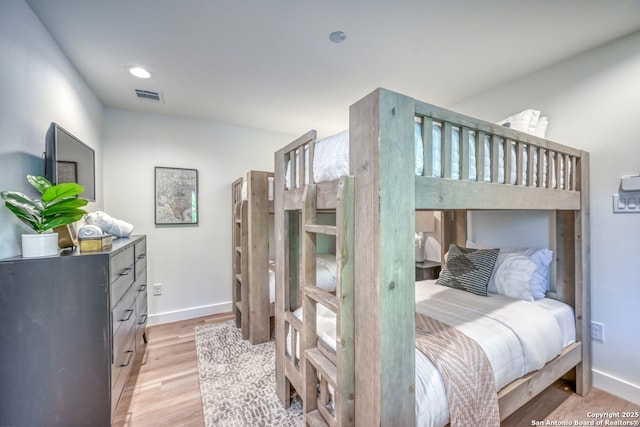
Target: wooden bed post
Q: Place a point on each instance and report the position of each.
(236, 249)
(258, 256)
(283, 387)
(244, 272)
(583, 277)
(382, 157)
(454, 230)
(573, 280)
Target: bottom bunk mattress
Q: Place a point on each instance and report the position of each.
(518, 337)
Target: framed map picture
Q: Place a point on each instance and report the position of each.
(176, 196)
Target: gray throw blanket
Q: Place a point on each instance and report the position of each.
(466, 372)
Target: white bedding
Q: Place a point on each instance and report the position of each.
(331, 158)
(517, 336)
(325, 275)
(514, 343)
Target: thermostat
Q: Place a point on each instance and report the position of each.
(630, 183)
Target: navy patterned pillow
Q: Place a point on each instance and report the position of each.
(468, 269)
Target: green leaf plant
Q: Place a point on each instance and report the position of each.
(58, 206)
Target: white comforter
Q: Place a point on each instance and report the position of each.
(517, 336)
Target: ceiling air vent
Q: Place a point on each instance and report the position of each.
(148, 95)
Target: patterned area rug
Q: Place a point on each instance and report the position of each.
(237, 380)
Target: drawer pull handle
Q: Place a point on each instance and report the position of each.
(142, 256)
(126, 271)
(127, 315)
(143, 319)
(143, 287)
(128, 358)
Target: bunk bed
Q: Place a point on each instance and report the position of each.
(253, 272)
(375, 302)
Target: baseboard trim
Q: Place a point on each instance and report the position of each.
(188, 313)
(617, 386)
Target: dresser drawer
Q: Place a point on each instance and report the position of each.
(121, 369)
(141, 319)
(121, 273)
(123, 352)
(141, 299)
(124, 311)
(123, 345)
(141, 257)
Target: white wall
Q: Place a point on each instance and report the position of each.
(193, 263)
(593, 102)
(38, 85)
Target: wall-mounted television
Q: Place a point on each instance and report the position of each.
(67, 159)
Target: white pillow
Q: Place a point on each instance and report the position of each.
(537, 280)
(511, 277)
(524, 121)
(541, 127)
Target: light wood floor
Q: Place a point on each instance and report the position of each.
(163, 389)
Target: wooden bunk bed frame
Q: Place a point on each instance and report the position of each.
(379, 313)
(250, 254)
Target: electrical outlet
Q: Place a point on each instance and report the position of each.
(157, 289)
(597, 331)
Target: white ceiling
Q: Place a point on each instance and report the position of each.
(269, 63)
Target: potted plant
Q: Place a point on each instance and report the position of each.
(57, 206)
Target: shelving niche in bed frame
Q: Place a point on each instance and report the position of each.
(250, 255)
(387, 193)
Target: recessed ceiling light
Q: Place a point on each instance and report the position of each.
(139, 72)
(337, 36)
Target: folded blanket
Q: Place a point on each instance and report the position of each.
(109, 225)
(89, 231)
(466, 372)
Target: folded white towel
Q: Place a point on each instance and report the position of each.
(89, 231)
(108, 224)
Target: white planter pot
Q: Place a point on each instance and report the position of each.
(39, 245)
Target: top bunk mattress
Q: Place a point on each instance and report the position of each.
(331, 158)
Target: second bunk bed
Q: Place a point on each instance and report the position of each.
(253, 287)
(253, 277)
(361, 369)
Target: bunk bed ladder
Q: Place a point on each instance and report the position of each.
(239, 257)
(329, 378)
(239, 249)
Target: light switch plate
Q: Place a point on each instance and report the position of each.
(626, 202)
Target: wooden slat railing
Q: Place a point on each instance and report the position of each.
(533, 161)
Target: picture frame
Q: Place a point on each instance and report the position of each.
(67, 171)
(176, 196)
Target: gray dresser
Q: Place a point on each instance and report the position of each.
(70, 329)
